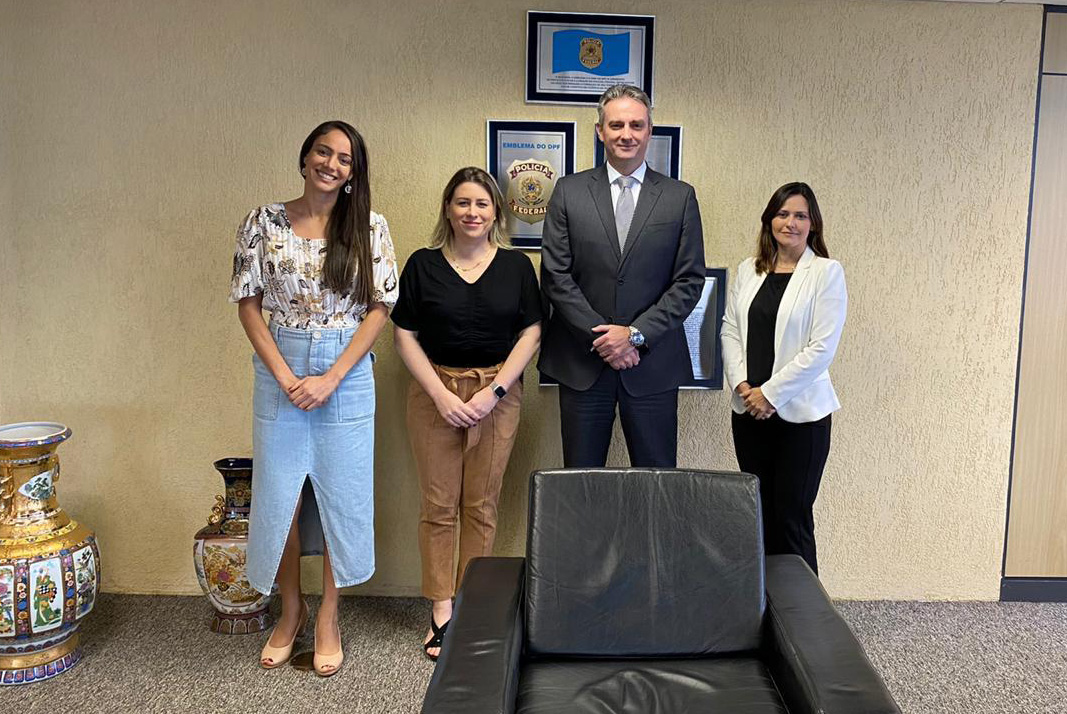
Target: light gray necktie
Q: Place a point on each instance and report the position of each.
(624, 209)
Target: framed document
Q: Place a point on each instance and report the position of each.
(572, 57)
(664, 150)
(702, 332)
(527, 158)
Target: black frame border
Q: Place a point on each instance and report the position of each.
(674, 131)
(720, 275)
(534, 18)
(493, 127)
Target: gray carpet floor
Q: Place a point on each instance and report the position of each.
(155, 654)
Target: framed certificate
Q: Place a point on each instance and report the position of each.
(702, 332)
(571, 57)
(664, 150)
(527, 158)
(702, 329)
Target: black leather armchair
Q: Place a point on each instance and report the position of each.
(647, 592)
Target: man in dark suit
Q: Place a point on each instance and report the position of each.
(622, 265)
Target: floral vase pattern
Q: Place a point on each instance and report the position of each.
(49, 563)
(219, 551)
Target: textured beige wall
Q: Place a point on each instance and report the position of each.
(7, 117)
(145, 131)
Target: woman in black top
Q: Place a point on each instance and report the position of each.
(780, 332)
(467, 323)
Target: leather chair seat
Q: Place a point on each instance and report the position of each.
(728, 685)
(647, 591)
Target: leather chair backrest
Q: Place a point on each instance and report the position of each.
(643, 563)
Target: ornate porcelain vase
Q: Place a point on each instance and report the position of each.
(49, 564)
(219, 556)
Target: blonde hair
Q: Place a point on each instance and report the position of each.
(442, 232)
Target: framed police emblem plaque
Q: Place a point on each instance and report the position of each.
(572, 57)
(527, 158)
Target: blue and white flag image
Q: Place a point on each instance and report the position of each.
(590, 52)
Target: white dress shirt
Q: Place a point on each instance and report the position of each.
(638, 176)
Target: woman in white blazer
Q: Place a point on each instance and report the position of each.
(780, 332)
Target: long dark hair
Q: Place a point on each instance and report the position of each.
(348, 230)
(766, 246)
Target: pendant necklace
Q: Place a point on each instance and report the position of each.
(457, 266)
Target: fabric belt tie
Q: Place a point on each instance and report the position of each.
(485, 376)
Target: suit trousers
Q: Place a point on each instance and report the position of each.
(649, 423)
(788, 458)
(460, 475)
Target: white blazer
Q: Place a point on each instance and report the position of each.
(806, 333)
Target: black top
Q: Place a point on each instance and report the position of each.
(461, 324)
(762, 314)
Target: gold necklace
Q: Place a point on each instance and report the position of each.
(779, 264)
(457, 266)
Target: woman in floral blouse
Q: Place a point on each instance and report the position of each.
(323, 266)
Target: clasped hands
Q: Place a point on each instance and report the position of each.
(311, 392)
(614, 346)
(755, 403)
(466, 414)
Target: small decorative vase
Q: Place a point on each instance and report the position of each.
(219, 556)
(49, 564)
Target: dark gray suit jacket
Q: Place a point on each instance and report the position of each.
(654, 284)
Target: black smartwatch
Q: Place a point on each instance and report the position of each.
(498, 390)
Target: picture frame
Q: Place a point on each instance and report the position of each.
(572, 57)
(664, 150)
(702, 329)
(527, 158)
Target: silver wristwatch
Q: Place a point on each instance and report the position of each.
(636, 338)
(498, 390)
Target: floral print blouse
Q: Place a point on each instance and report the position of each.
(287, 269)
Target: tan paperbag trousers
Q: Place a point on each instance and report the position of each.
(460, 474)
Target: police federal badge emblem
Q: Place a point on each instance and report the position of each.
(591, 52)
(530, 184)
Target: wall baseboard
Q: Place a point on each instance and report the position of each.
(1033, 589)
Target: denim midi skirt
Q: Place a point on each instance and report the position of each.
(326, 455)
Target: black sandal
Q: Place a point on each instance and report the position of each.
(437, 639)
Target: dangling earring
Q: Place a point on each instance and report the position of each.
(348, 187)
(304, 173)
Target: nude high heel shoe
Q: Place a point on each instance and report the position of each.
(274, 657)
(327, 665)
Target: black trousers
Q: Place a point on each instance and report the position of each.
(788, 459)
(649, 423)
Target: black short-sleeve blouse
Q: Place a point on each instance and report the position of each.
(461, 324)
